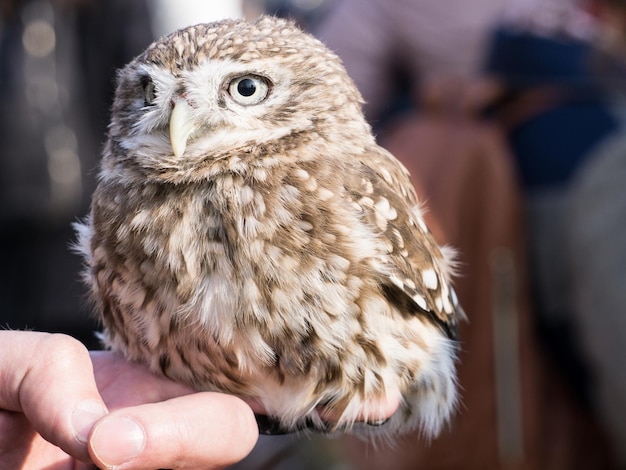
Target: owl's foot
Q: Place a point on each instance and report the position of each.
(324, 420)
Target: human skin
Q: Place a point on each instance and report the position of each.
(62, 407)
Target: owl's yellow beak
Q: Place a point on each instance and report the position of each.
(181, 126)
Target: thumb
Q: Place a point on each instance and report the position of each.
(49, 379)
(202, 430)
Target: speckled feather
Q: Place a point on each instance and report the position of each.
(283, 256)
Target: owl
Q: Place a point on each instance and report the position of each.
(249, 236)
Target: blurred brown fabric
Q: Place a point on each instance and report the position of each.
(514, 412)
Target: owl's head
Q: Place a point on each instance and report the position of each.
(214, 93)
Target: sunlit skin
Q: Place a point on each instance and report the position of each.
(44, 377)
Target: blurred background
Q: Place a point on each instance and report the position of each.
(510, 115)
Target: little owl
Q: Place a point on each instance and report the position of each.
(249, 236)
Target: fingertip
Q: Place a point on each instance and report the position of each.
(116, 440)
(202, 430)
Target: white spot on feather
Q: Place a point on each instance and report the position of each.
(420, 301)
(396, 281)
(304, 225)
(310, 184)
(324, 194)
(301, 174)
(246, 194)
(386, 175)
(366, 202)
(368, 188)
(384, 209)
(455, 299)
(430, 279)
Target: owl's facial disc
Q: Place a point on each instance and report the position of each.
(214, 108)
(182, 125)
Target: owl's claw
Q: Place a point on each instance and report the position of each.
(268, 426)
(380, 422)
(271, 426)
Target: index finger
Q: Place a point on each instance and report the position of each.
(49, 378)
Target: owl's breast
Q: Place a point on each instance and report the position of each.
(251, 273)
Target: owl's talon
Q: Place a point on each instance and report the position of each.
(377, 423)
(269, 426)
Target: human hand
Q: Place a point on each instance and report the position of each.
(53, 413)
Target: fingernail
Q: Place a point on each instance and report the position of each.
(117, 440)
(85, 416)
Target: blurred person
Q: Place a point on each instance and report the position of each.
(57, 63)
(596, 229)
(563, 123)
(554, 113)
(562, 112)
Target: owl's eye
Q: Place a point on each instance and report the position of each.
(249, 89)
(149, 91)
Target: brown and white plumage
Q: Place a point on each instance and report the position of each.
(249, 236)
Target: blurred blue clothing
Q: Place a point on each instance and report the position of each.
(550, 144)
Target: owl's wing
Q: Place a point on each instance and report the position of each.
(415, 272)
